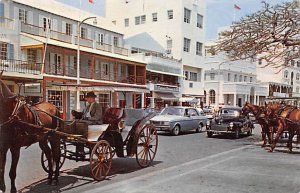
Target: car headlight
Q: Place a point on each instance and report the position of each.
(165, 123)
(208, 123)
(231, 124)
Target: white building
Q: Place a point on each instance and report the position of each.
(231, 82)
(178, 26)
(280, 83)
(39, 52)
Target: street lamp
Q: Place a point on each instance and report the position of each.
(78, 60)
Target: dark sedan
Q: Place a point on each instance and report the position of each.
(230, 120)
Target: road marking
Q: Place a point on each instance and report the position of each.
(169, 169)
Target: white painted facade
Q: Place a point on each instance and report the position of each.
(153, 17)
(232, 82)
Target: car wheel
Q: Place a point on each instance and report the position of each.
(176, 130)
(237, 134)
(209, 134)
(200, 128)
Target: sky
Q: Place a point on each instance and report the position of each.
(219, 13)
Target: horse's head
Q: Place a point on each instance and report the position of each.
(7, 102)
(247, 108)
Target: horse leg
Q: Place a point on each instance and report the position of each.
(270, 135)
(3, 152)
(263, 135)
(15, 155)
(45, 148)
(290, 141)
(55, 147)
(278, 134)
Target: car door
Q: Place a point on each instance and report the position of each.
(194, 118)
(186, 121)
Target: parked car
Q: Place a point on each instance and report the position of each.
(209, 112)
(230, 120)
(178, 119)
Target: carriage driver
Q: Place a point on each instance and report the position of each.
(91, 115)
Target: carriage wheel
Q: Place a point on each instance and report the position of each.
(147, 145)
(63, 152)
(100, 160)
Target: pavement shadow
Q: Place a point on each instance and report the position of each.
(119, 166)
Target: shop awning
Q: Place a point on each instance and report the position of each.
(166, 96)
(95, 88)
(189, 99)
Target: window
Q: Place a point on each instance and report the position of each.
(251, 79)
(186, 45)
(235, 78)
(193, 76)
(187, 15)
(3, 51)
(199, 48)
(32, 55)
(143, 19)
(199, 21)
(192, 112)
(169, 46)
(55, 97)
(137, 20)
(170, 14)
(286, 74)
(212, 76)
(245, 78)
(46, 23)
(68, 28)
(186, 75)
(241, 78)
(154, 17)
(191, 85)
(297, 89)
(116, 41)
(298, 64)
(297, 76)
(292, 62)
(23, 15)
(105, 69)
(100, 38)
(104, 100)
(228, 77)
(212, 96)
(83, 33)
(126, 21)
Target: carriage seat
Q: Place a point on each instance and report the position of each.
(111, 116)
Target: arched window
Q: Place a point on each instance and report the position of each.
(212, 96)
(297, 89)
(286, 74)
(297, 76)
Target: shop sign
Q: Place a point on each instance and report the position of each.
(32, 87)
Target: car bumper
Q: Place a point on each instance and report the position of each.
(162, 127)
(219, 129)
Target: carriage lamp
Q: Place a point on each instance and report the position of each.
(231, 124)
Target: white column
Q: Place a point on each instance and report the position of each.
(143, 100)
(234, 99)
(152, 105)
(258, 100)
(254, 102)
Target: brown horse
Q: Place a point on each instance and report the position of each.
(14, 135)
(260, 115)
(287, 118)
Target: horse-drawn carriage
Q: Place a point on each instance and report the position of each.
(105, 141)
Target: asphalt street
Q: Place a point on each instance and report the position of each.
(190, 163)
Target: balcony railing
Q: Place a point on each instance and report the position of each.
(103, 47)
(19, 66)
(84, 42)
(61, 36)
(6, 23)
(33, 30)
(121, 51)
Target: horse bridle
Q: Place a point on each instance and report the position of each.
(14, 115)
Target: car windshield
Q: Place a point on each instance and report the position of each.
(173, 111)
(230, 112)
